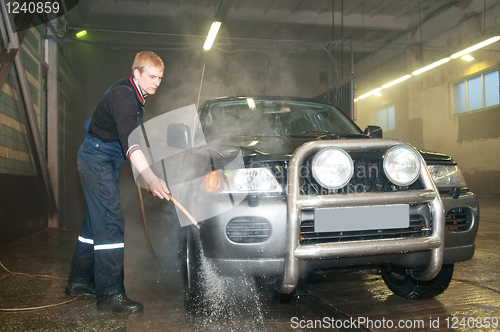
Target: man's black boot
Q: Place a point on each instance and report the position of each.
(118, 303)
(79, 289)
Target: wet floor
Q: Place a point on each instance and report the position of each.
(327, 302)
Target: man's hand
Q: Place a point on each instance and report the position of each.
(159, 188)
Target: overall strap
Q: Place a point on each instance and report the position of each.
(87, 123)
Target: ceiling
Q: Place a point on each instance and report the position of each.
(363, 25)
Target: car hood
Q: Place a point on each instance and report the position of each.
(264, 148)
(281, 148)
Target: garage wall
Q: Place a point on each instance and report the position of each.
(22, 207)
(423, 104)
(22, 210)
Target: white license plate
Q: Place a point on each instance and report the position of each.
(362, 218)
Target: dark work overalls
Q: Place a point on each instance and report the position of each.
(99, 253)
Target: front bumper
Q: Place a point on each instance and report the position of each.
(295, 252)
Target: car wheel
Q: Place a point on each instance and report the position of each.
(406, 286)
(191, 269)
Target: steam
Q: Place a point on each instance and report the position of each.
(183, 161)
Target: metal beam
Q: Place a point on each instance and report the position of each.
(51, 57)
(222, 10)
(406, 10)
(6, 61)
(437, 9)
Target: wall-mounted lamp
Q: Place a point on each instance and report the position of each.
(211, 35)
(468, 58)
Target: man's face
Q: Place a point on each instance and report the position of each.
(149, 79)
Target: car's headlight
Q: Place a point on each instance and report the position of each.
(332, 168)
(246, 180)
(255, 180)
(401, 165)
(446, 176)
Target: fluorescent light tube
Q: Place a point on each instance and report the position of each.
(432, 65)
(401, 79)
(211, 35)
(475, 47)
(373, 92)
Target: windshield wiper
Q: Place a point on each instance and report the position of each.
(246, 136)
(313, 132)
(326, 132)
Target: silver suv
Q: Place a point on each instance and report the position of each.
(315, 192)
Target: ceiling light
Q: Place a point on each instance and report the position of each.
(401, 79)
(373, 92)
(432, 65)
(475, 47)
(81, 33)
(468, 58)
(211, 35)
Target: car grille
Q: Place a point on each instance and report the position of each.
(248, 230)
(368, 177)
(459, 219)
(418, 228)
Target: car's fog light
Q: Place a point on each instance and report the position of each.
(401, 165)
(332, 168)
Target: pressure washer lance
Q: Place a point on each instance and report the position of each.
(186, 213)
(176, 203)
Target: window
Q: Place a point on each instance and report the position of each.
(476, 92)
(385, 118)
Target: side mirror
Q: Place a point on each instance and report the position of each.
(179, 136)
(373, 131)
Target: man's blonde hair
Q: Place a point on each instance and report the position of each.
(147, 58)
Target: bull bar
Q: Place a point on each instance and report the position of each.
(294, 251)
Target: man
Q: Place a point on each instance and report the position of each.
(97, 266)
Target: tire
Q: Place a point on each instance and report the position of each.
(408, 287)
(190, 257)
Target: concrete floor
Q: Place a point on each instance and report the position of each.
(474, 291)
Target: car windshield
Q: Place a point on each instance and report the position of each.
(261, 117)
